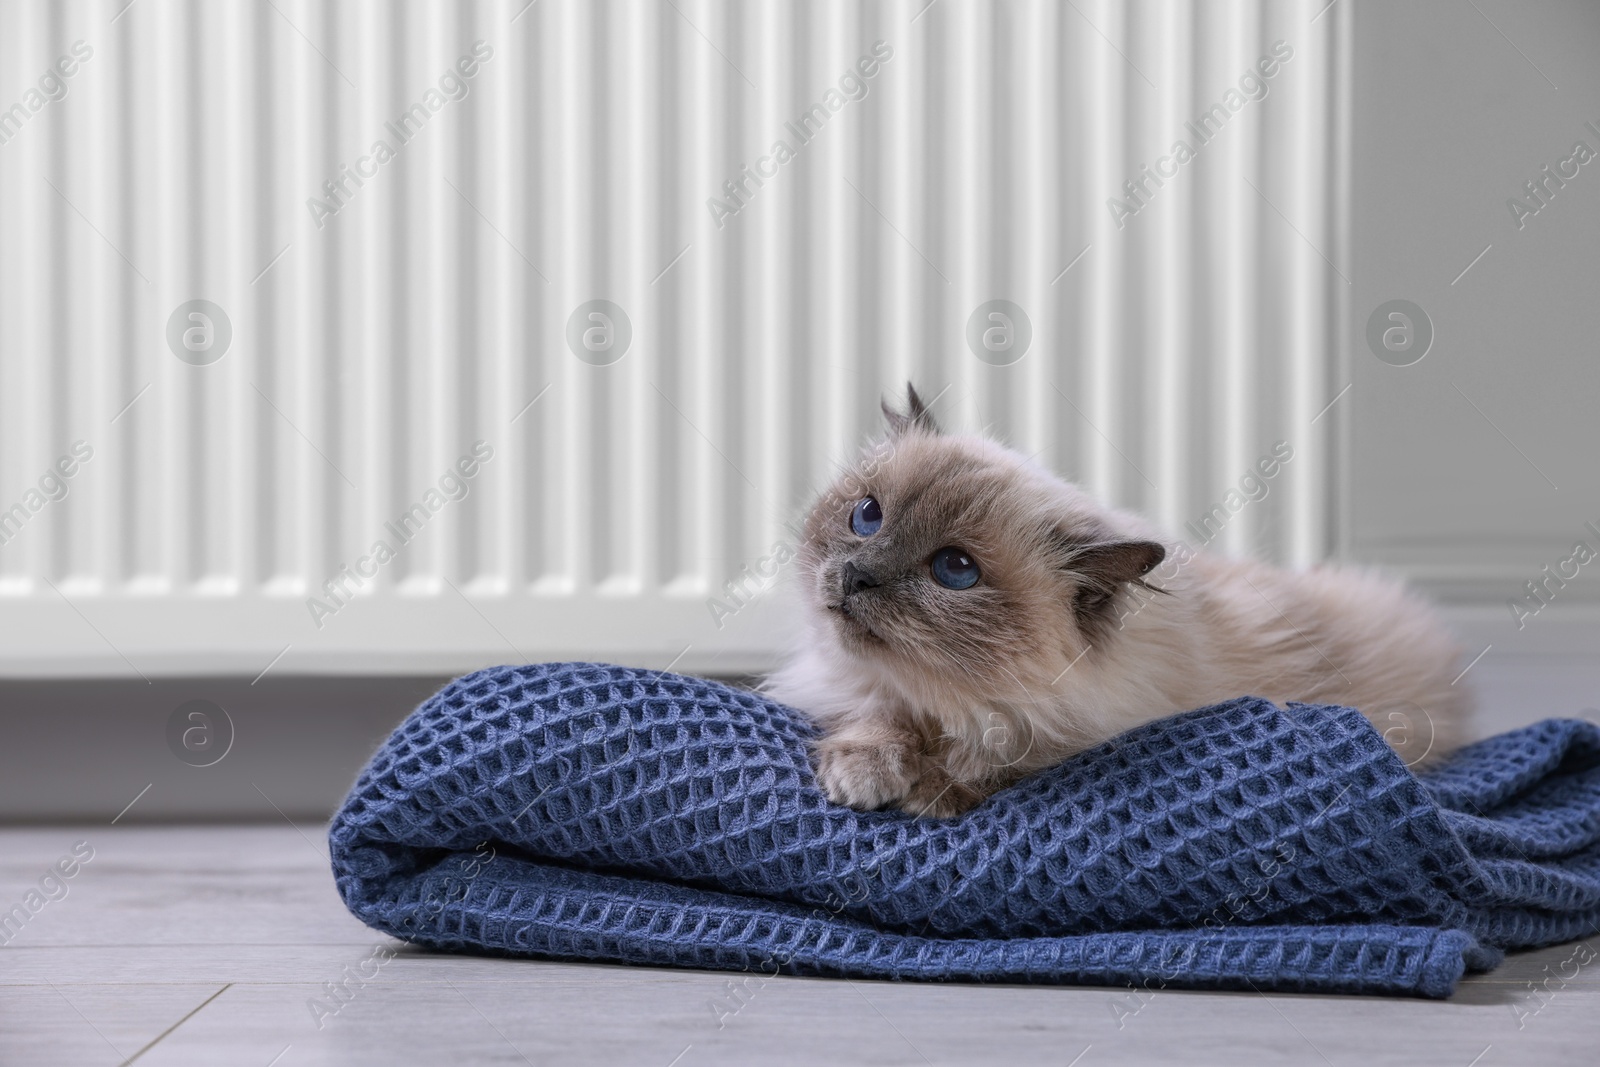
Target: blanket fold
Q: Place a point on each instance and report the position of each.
(583, 811)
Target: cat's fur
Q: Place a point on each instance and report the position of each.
(1084, 623)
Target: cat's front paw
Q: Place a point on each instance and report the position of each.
(865, 775)
(939, 796)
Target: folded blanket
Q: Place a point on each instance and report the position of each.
(579, 811)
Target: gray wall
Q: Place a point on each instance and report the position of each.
(1476, 466)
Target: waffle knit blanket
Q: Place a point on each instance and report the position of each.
(580, 811)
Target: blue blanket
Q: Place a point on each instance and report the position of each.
(579, 811)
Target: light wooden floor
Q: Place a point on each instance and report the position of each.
(204, 946)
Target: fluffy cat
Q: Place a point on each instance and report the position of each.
(970, 618)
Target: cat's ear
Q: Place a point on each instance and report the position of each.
(1117, 561)
(1104, 567)
(915, 417)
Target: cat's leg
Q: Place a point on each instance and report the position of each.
(957, 774)
(939, 794)
(870, 761)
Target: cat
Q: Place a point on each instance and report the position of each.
(969, 618)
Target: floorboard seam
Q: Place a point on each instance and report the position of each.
(162, 1035)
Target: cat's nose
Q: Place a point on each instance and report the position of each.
(856, 579)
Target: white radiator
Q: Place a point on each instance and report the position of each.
(384, 311)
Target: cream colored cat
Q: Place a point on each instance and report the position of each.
(970, 618)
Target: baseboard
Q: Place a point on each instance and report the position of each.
(95, 750)
(85, 750)
(1549, 666)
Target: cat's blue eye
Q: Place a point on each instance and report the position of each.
(867, 517)
(954, 569)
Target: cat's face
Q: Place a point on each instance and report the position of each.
(955, 556)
